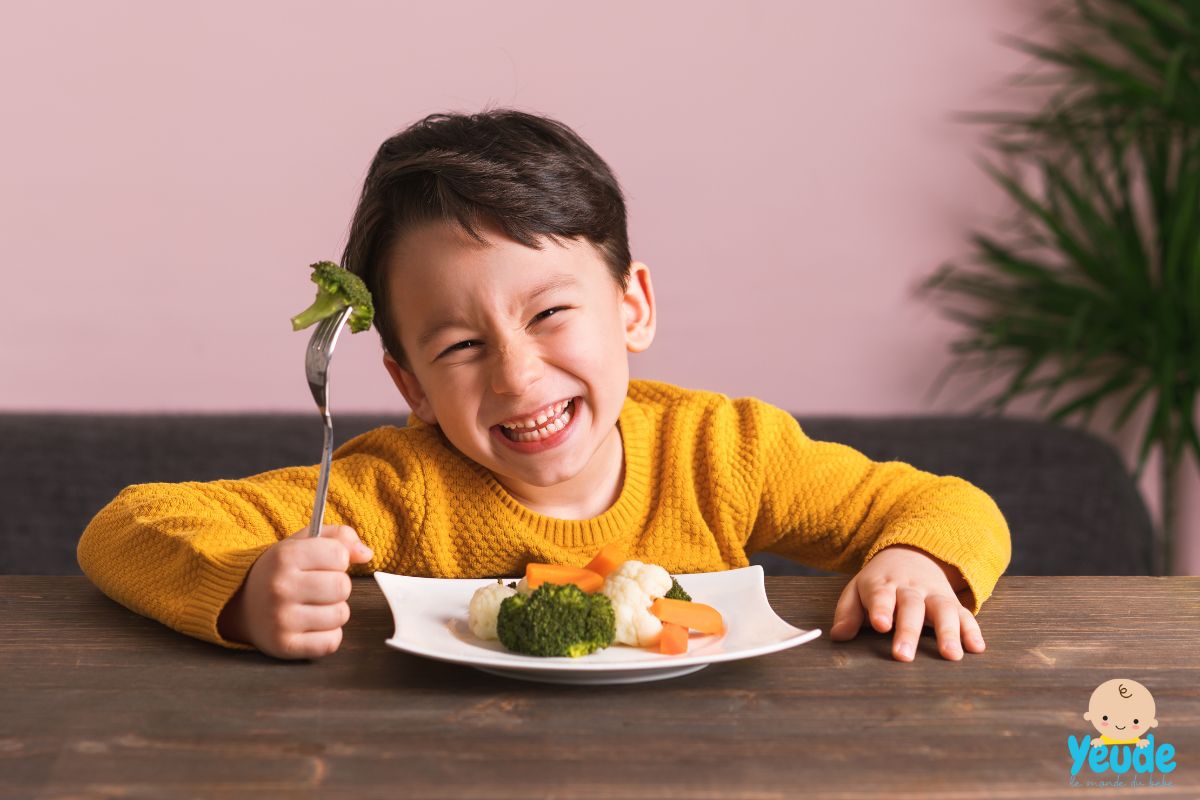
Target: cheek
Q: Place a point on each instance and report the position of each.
(455, 400)
(458, 387)
(584, 350)
(1103, 724)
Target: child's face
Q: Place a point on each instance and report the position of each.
(508, 333)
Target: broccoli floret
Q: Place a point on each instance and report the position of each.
(336, 289)
(556, 621)
(676, 591)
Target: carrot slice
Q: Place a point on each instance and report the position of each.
(689, 614)
(611, 556)
(674, 639)
(537, 574)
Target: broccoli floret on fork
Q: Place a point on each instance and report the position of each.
(336, 289)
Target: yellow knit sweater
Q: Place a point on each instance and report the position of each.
(708, 481)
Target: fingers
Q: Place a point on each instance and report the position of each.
(947, 625)
(910, 613)
(972, 636)
(310, 587)
(952, 625)
(848, 615)
(315, 619)
(305, 645)
(882, 606)
(304, 630)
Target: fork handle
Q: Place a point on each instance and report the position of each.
(314, 528)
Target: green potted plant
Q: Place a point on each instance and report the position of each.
(1093, 296)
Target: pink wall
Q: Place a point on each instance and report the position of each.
(169, 171)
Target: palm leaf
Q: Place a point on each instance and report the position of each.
(1069, 244)
(1131, 405)
(1094, 291)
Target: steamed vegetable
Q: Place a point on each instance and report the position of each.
(606, 562)
(699, 616)
(559, 610)
(556, 621)
(676, 591)
(336, 289)
(674, 640)
(632, 589)
(537, 574)
(484, 608)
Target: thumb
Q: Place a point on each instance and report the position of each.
(848, 614)
(358, 551)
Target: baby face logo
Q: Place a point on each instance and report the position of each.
(1121, 711)
(1123, 708)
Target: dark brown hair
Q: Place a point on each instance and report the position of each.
(525, 175)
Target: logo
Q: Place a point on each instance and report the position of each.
(1122, 711)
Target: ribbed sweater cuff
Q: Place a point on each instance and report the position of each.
(221, 574)
(980, 566)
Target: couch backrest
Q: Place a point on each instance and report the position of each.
(1070, 505)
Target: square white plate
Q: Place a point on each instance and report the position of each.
(431, 621)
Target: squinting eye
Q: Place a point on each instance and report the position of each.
(549, 312)
(454, 348)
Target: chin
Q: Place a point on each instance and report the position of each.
(545, 475)
(548, 477)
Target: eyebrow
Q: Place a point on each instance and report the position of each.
(552, 283)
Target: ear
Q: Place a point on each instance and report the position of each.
(1087, 715)
(637, 306)
(410, 387)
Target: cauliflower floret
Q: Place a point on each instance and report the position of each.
(484, 609)
(632, 588)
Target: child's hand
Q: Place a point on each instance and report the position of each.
(914, 585)
(293, 601)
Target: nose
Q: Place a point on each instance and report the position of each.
(516, 368)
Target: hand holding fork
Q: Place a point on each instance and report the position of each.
(294, 605)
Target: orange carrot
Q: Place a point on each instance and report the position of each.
(699, 616)
(537, 574)
(674, 639)
(611, 556)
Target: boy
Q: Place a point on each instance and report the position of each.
(496, 251)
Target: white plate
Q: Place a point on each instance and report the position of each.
(431, 621)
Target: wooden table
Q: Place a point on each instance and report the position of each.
(98, 702)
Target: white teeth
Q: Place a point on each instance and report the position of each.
(542, 433)
(549, 413)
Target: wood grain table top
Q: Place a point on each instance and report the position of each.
(96, 701)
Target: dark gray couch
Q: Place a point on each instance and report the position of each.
(1070, 504)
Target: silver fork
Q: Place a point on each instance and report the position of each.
(316, 367)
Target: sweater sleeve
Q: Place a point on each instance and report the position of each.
(828, 505)
(178, 552)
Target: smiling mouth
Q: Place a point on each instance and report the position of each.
(543, 431)
(1119, 727)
